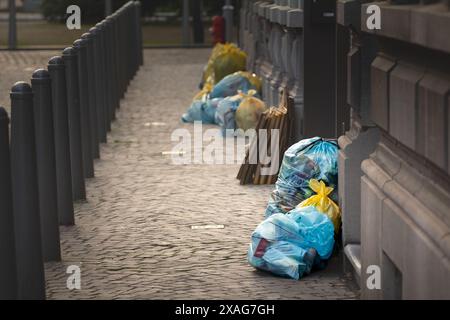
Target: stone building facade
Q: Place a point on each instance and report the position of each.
(385, 94)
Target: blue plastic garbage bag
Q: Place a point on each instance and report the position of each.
(314, 158)
(202, 110)
(282, 243)
(226, 111)
(231, 85)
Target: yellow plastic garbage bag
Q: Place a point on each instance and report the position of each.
(249, 111)
(230, 60)
(208, 73)
(323, 203)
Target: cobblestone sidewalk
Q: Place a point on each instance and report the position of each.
(133, 236)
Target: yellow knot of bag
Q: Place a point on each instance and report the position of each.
(322, 202)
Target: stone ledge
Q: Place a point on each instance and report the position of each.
(429, 213)
(353, 256)
(274, 13)
(282, 15)
(412, 23)
(295, 18)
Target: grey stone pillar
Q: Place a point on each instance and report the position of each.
(294, 23)
(265, 68)
(276, 77)
(360, 141)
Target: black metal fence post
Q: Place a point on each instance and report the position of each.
(130, 15)
(30, 267)
(8, 287)
(139, 34)
(86, 140)
(56, 128)
(111, 67)
(122, 51)
(103, 66)
(46, 164)
(99, 83)
(73, 104)
(88, 38)
(115, 60)
(57, 72)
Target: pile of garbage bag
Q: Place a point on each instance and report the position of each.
(301, 218)
(249, 111)
(202, 110)
(292, 244)
(239, 111)
(225, 59)
(226, 111)
(225, 85)
(314, 158)
(236, 93)
(233, 83)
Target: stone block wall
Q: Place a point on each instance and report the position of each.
(386, 93)
(405, 190)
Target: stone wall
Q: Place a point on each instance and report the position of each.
(405, 190)
(386, 93)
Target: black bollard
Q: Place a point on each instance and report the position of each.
(139, 33)
(46, 164)
(112, 67)
(30, 265)
(99, 84)
(8, 287)
(108, 71)
(103, 70)
(115, 60)
(57, 72)
(73, 105)
(123, 54)
(87, 37)
(130, 43)
(120, 53)
(135, 21)
(86, 141)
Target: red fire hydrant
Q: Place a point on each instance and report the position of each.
(218, 29)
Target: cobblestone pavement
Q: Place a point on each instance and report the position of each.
(133, 235)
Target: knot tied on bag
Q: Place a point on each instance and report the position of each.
(320, 188)
(322, 202)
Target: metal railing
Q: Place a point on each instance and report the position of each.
(57, 124)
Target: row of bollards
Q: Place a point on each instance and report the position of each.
(57, 125)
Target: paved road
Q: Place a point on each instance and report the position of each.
(133, 236)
